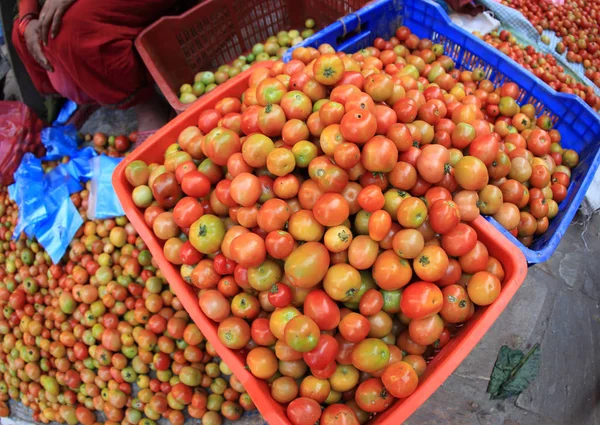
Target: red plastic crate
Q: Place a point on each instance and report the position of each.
(216, 32)
(446, 361)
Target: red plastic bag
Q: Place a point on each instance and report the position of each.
(19, 133)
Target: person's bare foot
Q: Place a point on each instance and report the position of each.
(152, 114)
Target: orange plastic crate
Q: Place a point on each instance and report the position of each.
(446, 361)
(216, 32)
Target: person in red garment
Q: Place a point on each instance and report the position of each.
(84, 51)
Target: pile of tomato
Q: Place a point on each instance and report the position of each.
(100, 338)
(324, 217)
(542, 65)
(273, 48)
(111, 145)
(576, 21)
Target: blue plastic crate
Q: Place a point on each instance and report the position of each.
(578, 124)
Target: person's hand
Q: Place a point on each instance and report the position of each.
(51, 15)
(33, 39)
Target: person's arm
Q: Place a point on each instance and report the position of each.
(30, 29)
(28, 8)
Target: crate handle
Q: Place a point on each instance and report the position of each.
(350, 34)
(341, 21)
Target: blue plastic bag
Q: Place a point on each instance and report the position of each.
(46, 211)
(61, 177)
(56, 232)
(55, 195)
(67, 110)
(80, 166)
(28, 193)
(59, 141)
(103, 201)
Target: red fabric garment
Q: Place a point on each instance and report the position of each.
(27, 7)
(466, 6)
(93, 55)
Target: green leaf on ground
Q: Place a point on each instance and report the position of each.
(513, 372)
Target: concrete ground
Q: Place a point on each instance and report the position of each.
(557, 306)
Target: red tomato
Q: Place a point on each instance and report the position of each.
(323, 354)
(471, 173)
(431, 264)
(186, 211)
(325, 373)
(559, 192)
(295, 104)
(245, 189)
(338, 414)
(452, 275)
(380, 223)
(303, 411)
(433, 163)
(220, 144)
(444, 216)
(280, 295)
(354, 327)
(328, 69)
(475, 260)
(248, 250)
(400, 379)
(332, 179)
(371, 198)
(403, 176)
(483, 288)
(208, 120)
(371, 302)
(331, 209)
(249, 121)
(273, 215)
(406, 109)
(360, 101)
(322, 309)
(183, 169)
(302, 334)
(460, 240)
(386, 117)
(426, 331)
(421, 299)
(436, 193)
(370, 355)
(279, 244)
(372, 397)
(539, 142)
(358, 126)
(456, 304)
(307, 265)
(223, 265)
(400, 135)
(195, 184)
(347, 155)
(271, 120)
(484, 147)
(390, 271)
(379, 155)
